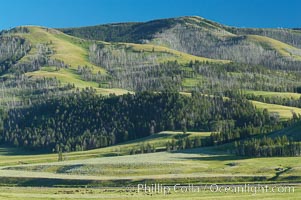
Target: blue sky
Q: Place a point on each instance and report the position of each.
(72, 13)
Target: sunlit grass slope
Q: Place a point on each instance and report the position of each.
(282, 48)
(75, 52)
(274, 94)
(285, 112)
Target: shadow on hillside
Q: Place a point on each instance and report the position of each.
(12, 151)
(214, 153)
(216, 158)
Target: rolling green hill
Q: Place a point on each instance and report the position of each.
(135, 32)
(72, 52)
(135, 56)
(195, 34)
(185, 54)
(173, 101)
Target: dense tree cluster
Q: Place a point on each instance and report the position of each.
(84, 120)
(184, 142)
(122, 32)
(268, 147)
(233, 76)
(12, 48)
(2, 116)
(143, 148)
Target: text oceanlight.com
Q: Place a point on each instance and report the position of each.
(214, 188)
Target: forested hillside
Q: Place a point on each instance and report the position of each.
(84, 120)
(274, 48)
(81, 88)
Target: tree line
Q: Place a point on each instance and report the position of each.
(286, 101)
(84, 120)
(268, 147)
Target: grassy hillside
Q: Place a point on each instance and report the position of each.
(125, 63)
(181, 57)
(74, 52)
(136, 32)
(203, 165)
(199, 33)
(70, 50)
(283, 48)
(66, 48)
(284, 112)
(289, 36)
(207, 62)
(274, 94)
(14, 156)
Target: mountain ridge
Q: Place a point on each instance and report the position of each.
(207, 66)
(190, 33)
(109, 65)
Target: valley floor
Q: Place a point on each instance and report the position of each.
(38, 193)
(112, 173)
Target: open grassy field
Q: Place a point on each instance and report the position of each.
(274, 94)
(284, 112)
(114, 166)
(86, 173)
(117, 166)
(64, 47)
(35, 193)
(15, 156)
(203, 165)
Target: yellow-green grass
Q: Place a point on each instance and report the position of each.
(207, 164)
(64, 75)
(191, 82)
(274, 94)
(204, 24)
(181, 57)
(283, 48)
(188, 94)
(196, 165)
(69, 76)
(71, 53)
(35, 193)
(285, 112)
(74, 52)
(68, 49)
(111, 165)
(12, 156)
